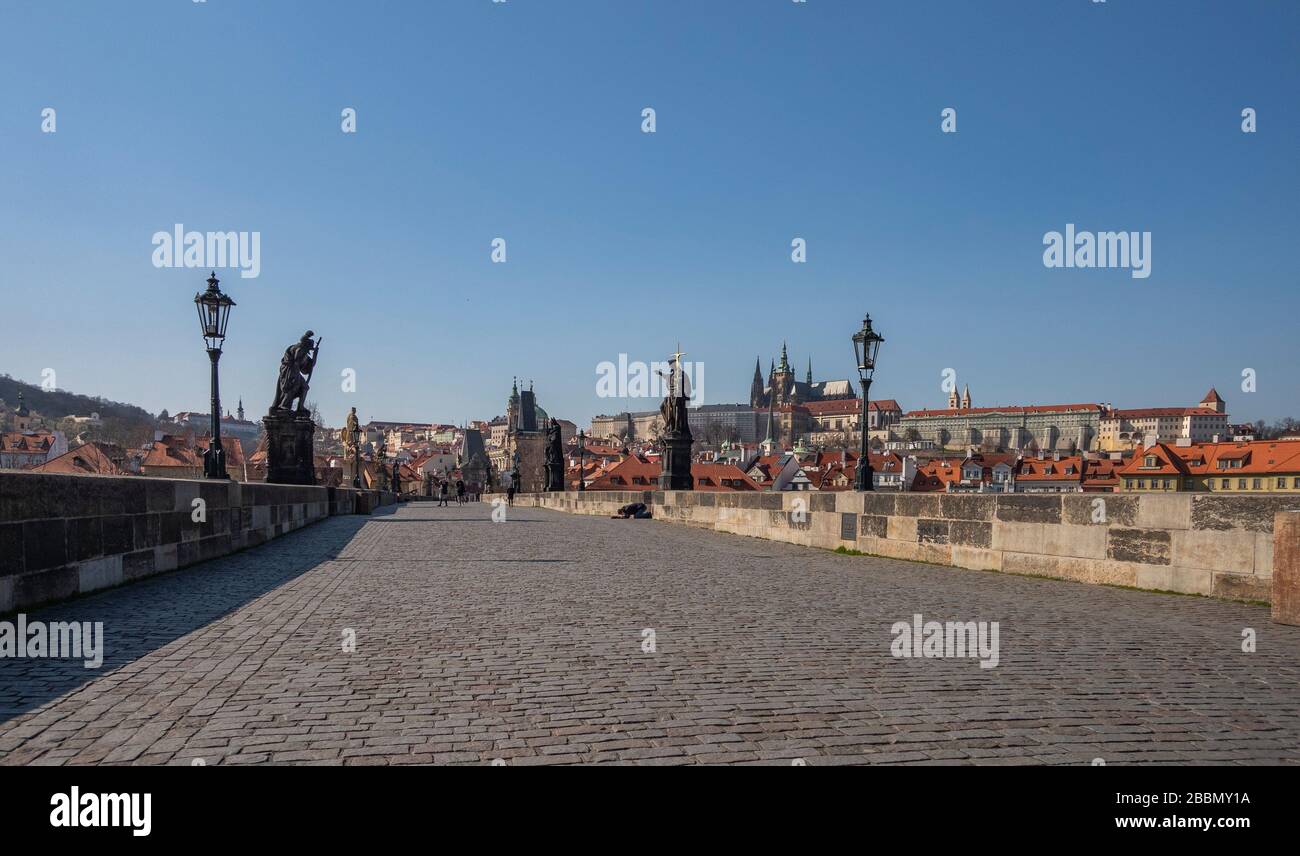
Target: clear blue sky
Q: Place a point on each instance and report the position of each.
(775, 120)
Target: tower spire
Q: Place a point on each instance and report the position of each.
(809, 379)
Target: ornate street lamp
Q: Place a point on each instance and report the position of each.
(582, 448)
(866, 344)
(214, 312)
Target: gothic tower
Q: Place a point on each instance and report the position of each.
(512, 407)
(783, 380)
(756, 386)
(965, 397)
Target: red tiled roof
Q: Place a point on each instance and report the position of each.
(32, 441)
(1258, 457)
(92, 458)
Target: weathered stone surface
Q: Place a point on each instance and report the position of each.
(1231, 551)
(873, 525)
(916, 504)
(1080, 509)
(1020, 537)
(1253, 513)
(1164, 511)
(932, 531)
(44, 544)
(1144, 546)
(1028, 508)
(877, 502)
(901, 529)
(821, 501)
(1286, 568)
(967, 506)
(971, 533)
(11, 549)
(1241, 587)
(1085, 542)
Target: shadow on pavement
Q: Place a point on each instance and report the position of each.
(141, 617)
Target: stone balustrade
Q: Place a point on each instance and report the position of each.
(1221, 546)
(65, 535)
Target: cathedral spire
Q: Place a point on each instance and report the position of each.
(809, 379)
(756, 386)
(785, 360)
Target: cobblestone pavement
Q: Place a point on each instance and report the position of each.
(523, 641)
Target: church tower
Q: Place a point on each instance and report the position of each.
(240, 410)
(965, 397)
(756, 386)
(783, 380)
(808, 379)
(512, 407)
(953, 403)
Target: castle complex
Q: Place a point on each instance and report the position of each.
(782, 388)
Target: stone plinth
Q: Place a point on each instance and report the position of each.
(1286, 568)
(676, 473)
(290, 457)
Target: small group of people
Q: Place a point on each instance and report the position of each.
(445, 488)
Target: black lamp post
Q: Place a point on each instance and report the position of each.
(582, 448)
(866, 344)
(214, 312)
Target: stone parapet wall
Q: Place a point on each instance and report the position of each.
(1196, 544)
(66, 535)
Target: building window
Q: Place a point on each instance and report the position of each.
(1241, 484)
(1256, 484)
(1281, 483)
(1225, 484)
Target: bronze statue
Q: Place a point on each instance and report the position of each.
(553, 474)
(295, 375)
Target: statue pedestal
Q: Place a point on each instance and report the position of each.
(290, 455)
(554, 474)
(676, 473)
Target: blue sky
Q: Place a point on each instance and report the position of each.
(775, 120)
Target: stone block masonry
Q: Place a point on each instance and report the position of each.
(68, 535)
(1217, 546)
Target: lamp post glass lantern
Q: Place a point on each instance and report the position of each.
(214, 313)
(866, 345)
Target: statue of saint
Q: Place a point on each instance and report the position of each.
(672, 410)
(351, 434)
(554, 448)
(295, 374)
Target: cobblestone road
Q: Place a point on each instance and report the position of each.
(522, 641)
